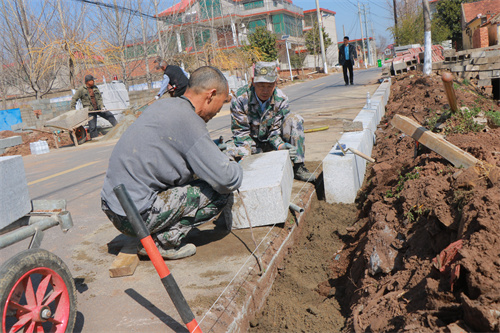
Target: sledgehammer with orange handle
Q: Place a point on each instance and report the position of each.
(149, 245)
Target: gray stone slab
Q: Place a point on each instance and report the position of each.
(11, 141)
(265, 191)
(14, 196)
(69, 119)
(17, 127)
(351, 126)
(343, 175)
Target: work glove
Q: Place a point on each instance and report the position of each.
(157, 97)
(292, 150)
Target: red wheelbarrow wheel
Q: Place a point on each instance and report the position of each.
(37, 293)
(81, 135)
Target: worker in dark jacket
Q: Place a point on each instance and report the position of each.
(91, 98)
(347, 56)
(174, 81)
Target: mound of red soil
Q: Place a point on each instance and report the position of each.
(28, 137)
(423, 254)
(426, 254)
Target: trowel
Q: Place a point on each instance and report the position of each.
(354, 151)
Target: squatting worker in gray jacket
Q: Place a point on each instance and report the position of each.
(91, 98)
(157, 157)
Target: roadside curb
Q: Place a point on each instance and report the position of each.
(344, 174)
(249, 292)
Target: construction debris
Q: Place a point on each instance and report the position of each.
(478, 65)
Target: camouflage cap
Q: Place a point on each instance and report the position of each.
(265, 72)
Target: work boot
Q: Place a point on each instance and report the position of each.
(301, 173)
(171, 253)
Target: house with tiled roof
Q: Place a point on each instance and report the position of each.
(477, 23)
(226, 24)
(330, 27)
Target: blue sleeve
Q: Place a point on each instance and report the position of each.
(164, 85)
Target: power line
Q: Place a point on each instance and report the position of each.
(130, 10)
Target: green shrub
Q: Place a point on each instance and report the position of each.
(494, 117)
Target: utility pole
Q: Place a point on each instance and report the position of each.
(361, 28)
(370, 61)
(373, 32)
(288, 56)
(395, 24)
(322, 42)
(427, 39)
(343, 29)
(160, 41)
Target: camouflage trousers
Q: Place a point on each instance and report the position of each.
(175, 212)
(292, 132)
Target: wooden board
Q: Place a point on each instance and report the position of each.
(431, 140)
(126, 261)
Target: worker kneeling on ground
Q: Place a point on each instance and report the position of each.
(157, 159)
(261, 121)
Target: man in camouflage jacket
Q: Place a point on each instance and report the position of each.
(91, 98)
(261, 121)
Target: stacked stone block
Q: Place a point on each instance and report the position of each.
(14, 196)
(264, 195)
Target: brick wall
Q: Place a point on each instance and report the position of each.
(480, 38)
(35, 113)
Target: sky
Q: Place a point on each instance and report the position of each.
(347, 16)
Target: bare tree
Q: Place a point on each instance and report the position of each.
(5, 80)
(24, 39)
(76, 40)
(410, 23)
(114, 24)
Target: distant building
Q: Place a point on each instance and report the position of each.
(191, 24)
(227, 23)
(330, 27)
(480, 26)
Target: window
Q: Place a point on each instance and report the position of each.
(210, 9)
(287, 25)
(254, 4)
(257, 23)
(203, 38)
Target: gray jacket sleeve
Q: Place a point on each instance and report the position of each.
(213, 166)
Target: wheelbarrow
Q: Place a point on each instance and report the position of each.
(37, 291)
(72, 122)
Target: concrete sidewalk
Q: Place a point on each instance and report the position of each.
(223, 283)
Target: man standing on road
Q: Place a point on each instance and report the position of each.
(91, 98)
(174, 81)
(261, 121)
(347, 56)
(157, 159)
